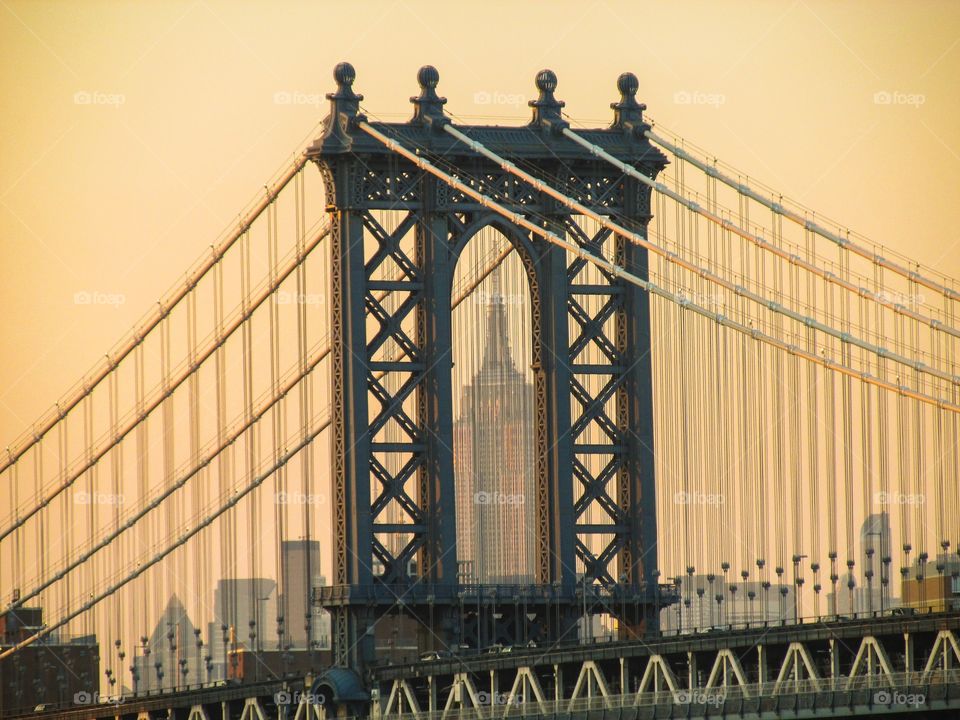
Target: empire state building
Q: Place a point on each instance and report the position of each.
(494, 461)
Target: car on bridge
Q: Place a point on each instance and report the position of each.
(434, 655)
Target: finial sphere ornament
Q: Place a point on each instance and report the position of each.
(628, 84)
(428, 77)
(546, 81)
(344, 74)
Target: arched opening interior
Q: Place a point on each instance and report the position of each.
(493, 414)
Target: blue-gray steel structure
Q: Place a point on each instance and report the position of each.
(433, 224)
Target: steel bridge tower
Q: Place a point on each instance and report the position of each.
(413, 257)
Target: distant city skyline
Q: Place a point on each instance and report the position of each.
(771, 435)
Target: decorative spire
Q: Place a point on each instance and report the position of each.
(496, 282)
(428, 107)
(345, 100)
(546, 108)
(496, 351)
(344, 104)
(628, 113)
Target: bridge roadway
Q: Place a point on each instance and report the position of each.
(908, 665)
(772, 633)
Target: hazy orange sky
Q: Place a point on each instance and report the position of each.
(133, 133)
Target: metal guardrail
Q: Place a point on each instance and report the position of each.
(909, 690)
(667, 643)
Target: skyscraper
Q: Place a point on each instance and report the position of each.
(875, 546)
(299, 574)
(875, 537)
(494, 461)
(237, 602)
(170, 650)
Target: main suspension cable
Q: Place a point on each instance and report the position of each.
(618, 271)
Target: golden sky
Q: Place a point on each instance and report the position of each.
(133, 133)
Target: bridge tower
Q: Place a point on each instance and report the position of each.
(396, 235)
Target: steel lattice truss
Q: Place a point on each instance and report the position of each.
(398, 232)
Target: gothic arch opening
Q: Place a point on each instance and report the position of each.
(494, 438)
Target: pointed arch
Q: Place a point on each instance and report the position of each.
(463, 695)
(401, 692)
(870, 657)
(307, 709)
(657, 669)
(198, 712)
(945, 651)
(591, 683)
(795, 663)
(525, 685)
(252, 710)
(727, 666)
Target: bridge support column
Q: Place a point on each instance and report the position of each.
(763, 671)
(637, 489)
(396, 233)
(432, 694)
(437, 492)
(692, 675)
(909, 661)
(353, 549)
(555, 536)
(834, 664)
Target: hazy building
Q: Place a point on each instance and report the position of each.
(237, 602)
(875, 540)
(875, 547)
(707, 601)
(305, 625)
(867, 586)
(58, 670)
(170, 649)
(845, 600)
(934, 585)
(494, 462)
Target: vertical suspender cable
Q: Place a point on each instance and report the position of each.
(277, 414)
(252, 530)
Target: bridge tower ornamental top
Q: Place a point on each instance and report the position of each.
(540, 138)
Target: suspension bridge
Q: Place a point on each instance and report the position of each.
(487, 421)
